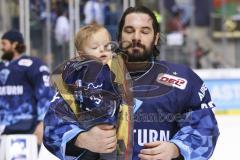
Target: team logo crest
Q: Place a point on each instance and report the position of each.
(4, 75)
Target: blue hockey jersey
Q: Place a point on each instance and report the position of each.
(171, 104)
(25, 94)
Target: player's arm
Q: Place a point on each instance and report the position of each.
(63, 137)
(199, 131)
(38, 76)
(60, 128)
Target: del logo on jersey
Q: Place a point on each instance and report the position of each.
(171, 80)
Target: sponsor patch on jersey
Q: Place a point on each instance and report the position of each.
(25, 62)
(171, 80)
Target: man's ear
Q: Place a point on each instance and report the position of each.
(14, 45)
(157, 38)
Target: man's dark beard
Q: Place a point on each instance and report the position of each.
(136, 56)
(7, 56)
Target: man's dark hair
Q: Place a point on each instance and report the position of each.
(15, 36)
(140, 9)
(20, 48)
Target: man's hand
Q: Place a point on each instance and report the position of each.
(99, 139)
(39, 132)
(159, 150)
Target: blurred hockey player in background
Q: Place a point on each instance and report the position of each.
(25, 92)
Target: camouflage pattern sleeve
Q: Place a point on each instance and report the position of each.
(199, 131)
(60, 127)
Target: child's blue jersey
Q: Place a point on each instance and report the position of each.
(25, 94)
(171, 104)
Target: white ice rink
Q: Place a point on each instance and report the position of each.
(228, 142)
